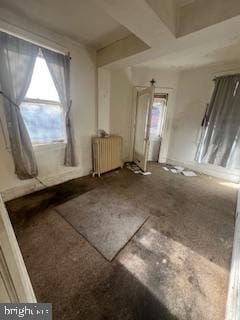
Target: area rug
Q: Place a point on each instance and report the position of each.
(107, 219)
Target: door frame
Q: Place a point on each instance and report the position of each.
(13, 272)
(167, 123)
(148, 121)
(163, 124)
(232, 303)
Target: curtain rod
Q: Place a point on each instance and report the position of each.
(226, 75)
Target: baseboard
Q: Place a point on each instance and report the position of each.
(211, 170)
(41, 183)
(162, 160)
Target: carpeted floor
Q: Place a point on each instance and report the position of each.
(175, 267)
(107, 225)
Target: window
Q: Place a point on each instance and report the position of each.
(157, 115)
(41, 109)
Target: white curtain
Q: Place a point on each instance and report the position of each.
(220, 139)
(59, 67)
(17, 59)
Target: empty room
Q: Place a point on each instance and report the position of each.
(120, 159)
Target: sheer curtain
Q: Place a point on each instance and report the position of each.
(17, 58)
(59, 67)
(220, 139)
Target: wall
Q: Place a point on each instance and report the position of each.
(166, 82)
(83, 92)
(104, 91)
(121, 109)
(194, 92)
(115, 100)
(121, 101)
(189, 91)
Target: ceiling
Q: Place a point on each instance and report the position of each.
(79, 20)
(205, 32)
(182, 3)
(146, 28)
(197, 57)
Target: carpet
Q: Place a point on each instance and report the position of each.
(106, 218)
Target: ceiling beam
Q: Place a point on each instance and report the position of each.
(120, 49)
(203, 41)
(139, 18)
(156, 22)
(201, 14)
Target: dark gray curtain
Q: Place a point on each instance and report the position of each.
(17, 59)
(220, 138)
(59, 67)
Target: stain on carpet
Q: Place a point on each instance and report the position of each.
(174, 268)
(23, 208)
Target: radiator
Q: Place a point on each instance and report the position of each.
(107, 154)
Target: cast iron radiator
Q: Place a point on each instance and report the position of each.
(107, 154)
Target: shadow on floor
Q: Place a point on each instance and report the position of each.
(121, 296)
(67, 271)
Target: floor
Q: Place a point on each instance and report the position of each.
(175, 267)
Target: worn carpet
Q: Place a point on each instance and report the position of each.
(174, 268)
(107, 219)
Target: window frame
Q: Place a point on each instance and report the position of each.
(164, 98)
(49, 104)
(42, 101)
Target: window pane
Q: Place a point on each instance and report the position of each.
(45, 123)
(155, 121)
(157, 116)
(42, 86)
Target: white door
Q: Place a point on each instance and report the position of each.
(158, 113)
(15, 285)
(142, 125)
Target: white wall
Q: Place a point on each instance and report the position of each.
(120, 112)
(115, 97)
(121, 107)
(50, 159)
(104, 92)
(189, 92)
(194, 92)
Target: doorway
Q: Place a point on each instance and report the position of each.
(142, 127)
(158, 115)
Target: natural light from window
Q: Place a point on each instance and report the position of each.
(42, 86)
(157, 117)
(41, 108)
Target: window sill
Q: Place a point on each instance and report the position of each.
(49, 146)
